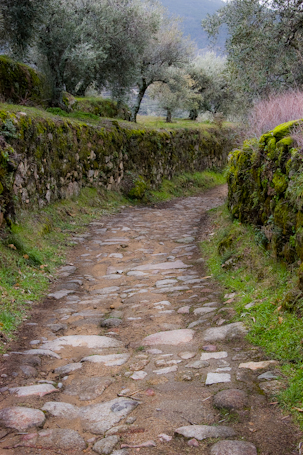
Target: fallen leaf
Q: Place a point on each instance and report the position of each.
(12, 246)
(280, 320)
(298, 409)
(26, 256)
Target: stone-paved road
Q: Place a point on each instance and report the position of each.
(134, 351)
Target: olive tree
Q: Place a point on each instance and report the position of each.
(95, 42)
(175, 94)
(65, 45)
(19, 21)
(264, 45)
(166, 49)
(211, 85)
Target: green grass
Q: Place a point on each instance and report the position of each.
(258, 277)
(160, 123)
(186, 184)
(146, 122)
(32, 250)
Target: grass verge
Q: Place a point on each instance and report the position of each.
(236, 258)
(186, 184)
(36, 245)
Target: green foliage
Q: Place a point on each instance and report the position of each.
(19, 22)
(138, 189)
(263, 46)
(210, 84)
(102, 107)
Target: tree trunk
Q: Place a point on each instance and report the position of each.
(168, 116)
(135, 109)
(193, 114)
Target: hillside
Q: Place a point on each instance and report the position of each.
(192, 12)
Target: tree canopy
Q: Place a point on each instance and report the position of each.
(264, 45)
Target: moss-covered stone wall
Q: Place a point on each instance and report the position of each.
(265, 188)
(45, 159)
(21, 84)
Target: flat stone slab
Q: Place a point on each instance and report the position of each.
(46, 352)
(203, 310)
(67, 369)
(110, 360)
(163, 266)
(56, 327)
(217, 378)
(172, 337)
(29, 371)
(198, 364)
(139, 375)
(187, 355)
(136, 273)
(111, 322)
(20, 418)
(167, 370)
(87, 389)
(33, 390)
(233, 448)
(106, 446)
(107, 290)
(185, 240)
(201, 432)
(254, 366)
(98, 418)
(184, 310)
(60, 294)
(61, 409)
(167, 282)
(83, 341)
(233, 330)
(55, 439)
(268, 376)
(231, 399)
(213, 355)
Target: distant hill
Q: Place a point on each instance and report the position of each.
(192, 12)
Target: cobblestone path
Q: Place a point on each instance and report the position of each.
(134, 351)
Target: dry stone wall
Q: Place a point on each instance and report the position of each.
(45, 159)
(265, 181)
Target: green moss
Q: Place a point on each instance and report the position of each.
(280, 182)
(284, 129)
(20, 83)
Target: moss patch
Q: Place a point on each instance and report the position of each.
(20, 83)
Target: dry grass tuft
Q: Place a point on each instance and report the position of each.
(276, 109)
